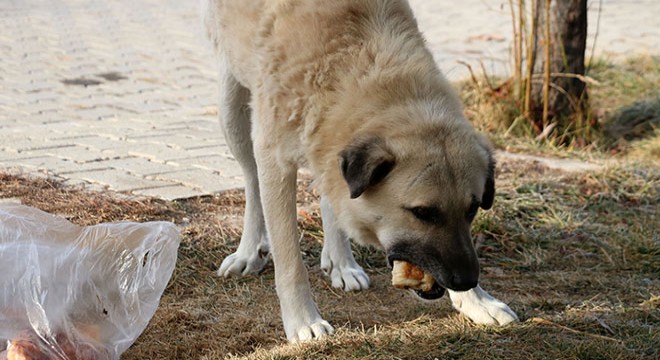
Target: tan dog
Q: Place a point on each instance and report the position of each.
(348, 89)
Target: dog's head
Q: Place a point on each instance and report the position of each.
(416, 193)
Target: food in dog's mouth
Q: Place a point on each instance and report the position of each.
(408, 276)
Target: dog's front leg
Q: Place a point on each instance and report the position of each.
(482, 308)
(300, 314)
(337, 259)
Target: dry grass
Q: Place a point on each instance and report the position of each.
(624, 101)
(575, 255)
(624, 83)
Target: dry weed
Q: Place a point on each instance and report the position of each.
(576, 255)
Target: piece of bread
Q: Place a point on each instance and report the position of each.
(408, 276)
(26, 346)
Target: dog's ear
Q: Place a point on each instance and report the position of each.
(364, 163)
(489, 189)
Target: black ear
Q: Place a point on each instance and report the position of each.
(489, 189)
(364, 163)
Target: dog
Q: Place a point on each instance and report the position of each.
(348, 89)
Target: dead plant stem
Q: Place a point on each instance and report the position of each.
(546, 82)
(516, 43)
(550, 323)
(530, 61)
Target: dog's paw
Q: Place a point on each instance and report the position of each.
(241, 265)
(312, 331)
(300, 315)
(482, 308)
(349, 277)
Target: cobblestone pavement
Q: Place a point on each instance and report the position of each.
(120, 94)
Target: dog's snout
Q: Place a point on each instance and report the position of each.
(459, 282)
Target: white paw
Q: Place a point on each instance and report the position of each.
(482, 308)
(300, 315)
(347, 276)
(241, 264)
(316, 330)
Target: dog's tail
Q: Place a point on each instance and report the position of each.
(208, 10)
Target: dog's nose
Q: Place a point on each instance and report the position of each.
(463, 283)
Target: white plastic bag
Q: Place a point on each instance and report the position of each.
(73, 292)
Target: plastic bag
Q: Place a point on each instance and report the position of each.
(73, 292)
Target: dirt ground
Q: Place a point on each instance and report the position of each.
(574, 254)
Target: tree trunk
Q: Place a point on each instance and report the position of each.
(565, 93)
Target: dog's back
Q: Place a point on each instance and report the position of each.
(310, 39)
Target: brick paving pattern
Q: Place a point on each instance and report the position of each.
(121, 95)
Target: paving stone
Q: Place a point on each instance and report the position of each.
(171, 192)
(207, 150)
(121, 180)
(216, 163)
(141, 166)
(30, 144)
(201, 179)
(153, 151)
(74, 153)
(55, 165)
(100, 143)
(14, 156)
(40, 163)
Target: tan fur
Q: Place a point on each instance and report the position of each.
(322, 92)
(324, 75)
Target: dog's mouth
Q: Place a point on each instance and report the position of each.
(407, 275)
(435, 293)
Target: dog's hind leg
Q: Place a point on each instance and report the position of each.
(482, 308)
(252, 253)
(337, 259)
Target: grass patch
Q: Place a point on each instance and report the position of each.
(624, 100)
(575, 255)
(624, 83)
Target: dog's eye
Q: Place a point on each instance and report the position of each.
(427, 214)
(472, 211)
